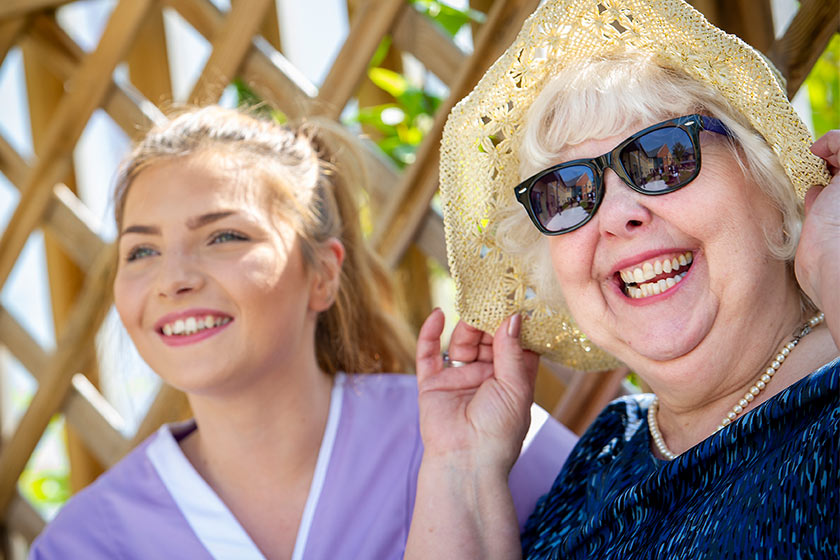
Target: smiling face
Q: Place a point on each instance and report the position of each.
(212, 291)
(620, 277)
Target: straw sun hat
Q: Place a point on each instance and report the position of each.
(480, 148)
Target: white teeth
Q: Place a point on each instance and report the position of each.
(666, 267)
(654, 288)
(683, 260)
(192, 325)
(638, 276)
(657, 267)
(648, 270)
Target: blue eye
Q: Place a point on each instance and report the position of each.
(227, 236)
(140, 253)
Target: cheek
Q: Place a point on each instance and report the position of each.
(572, 257)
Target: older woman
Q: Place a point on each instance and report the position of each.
(658, 208)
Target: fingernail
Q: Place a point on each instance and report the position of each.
(515, 325)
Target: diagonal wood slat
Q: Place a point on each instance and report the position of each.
(805, 39)
(13, 8)
(372, 22)
(405, 212)
(87, 90)
(80, 332)
(417, 34)
(229, 48)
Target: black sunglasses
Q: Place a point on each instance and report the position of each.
(657, 160)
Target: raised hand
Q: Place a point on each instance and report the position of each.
(818, 253)
(480, 409)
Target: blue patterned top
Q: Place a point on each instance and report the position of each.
(767, 486)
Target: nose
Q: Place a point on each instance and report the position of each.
(179, 274)
(622, 211)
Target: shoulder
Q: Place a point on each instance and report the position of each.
(375, 395)
(84, 527)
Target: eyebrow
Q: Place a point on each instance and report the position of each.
(192, 223)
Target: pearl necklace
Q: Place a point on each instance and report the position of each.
(748, 397)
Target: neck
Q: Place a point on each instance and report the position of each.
(684, 424)
(277, 426)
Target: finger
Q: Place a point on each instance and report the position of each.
(429, 360)
(828, 148)
(513, 366)
(811, 196)
(464, 342)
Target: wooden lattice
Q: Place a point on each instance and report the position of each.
(245, 47)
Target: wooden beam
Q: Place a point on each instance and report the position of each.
(369, 26)
(417, 34)
(169, 405)
(84, 408)
(24, 519)
(87, 89)
(230, 46)
(124, 104)
(10, 31)
(402, 217)
(80, 332)
(805, 39)
(15, 8)
(271, 75)
(148, 61)
(587, 396)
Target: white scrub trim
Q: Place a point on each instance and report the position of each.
(213, 523)
(321, 466)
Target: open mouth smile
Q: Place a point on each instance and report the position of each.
(191, 325)
(655, 276)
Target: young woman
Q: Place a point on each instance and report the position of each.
(244, 281)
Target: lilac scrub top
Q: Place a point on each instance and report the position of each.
(153, 503)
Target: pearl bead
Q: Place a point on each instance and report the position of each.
(769, 371)
(755, 391)
(731, 416)
(744, 403)
(780, 357)
(785, 351)
(750, 397)
(765, 378)
(737, 409)
(775, 365)
(761, 385)
(725, 422)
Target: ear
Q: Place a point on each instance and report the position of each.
(327, 276)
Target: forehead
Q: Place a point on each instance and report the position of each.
(594, 147)
(207, 179)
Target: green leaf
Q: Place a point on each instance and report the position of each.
(388, 80)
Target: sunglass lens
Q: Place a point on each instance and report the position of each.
(564, 198)
(660, 160)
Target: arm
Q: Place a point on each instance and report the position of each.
(472, 420)
(818, 254)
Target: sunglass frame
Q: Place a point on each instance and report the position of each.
(691, 124)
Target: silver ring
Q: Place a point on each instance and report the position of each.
(448, 362)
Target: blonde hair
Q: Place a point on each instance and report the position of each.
(304, 188)
(605, 96)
